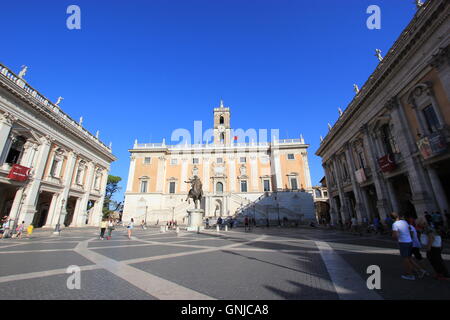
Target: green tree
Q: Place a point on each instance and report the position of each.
(112, 187)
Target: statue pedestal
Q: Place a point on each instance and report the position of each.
(195, 219)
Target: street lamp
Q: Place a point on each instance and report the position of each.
(58, 225)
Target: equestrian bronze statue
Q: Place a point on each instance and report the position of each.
(196, 192)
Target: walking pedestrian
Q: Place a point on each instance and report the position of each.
(30, 230)
(20, 229)
(111, 227)
(246, 223)
(103, 226)
(432, 243)
(418, 261)
(130, 227)
(143, 226)
(207, 223)
(402, 233)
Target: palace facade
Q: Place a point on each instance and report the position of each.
(52, 170)
(389, 150)
(265, 180)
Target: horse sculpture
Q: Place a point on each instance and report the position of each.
(196, 192)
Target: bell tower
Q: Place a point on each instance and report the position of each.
(222, 129)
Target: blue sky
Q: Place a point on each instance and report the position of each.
(138, 68)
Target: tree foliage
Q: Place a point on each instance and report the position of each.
(112, 186)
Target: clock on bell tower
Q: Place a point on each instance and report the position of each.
(222, 129)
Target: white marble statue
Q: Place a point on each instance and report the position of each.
(59, 101)
(23, 72)
(356, 88)
(378, 54)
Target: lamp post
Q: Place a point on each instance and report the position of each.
(146, 208)
(58, 225)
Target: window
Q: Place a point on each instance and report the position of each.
(144, 185)
(294, 185)
(362, 159)
(242, 159)
(147, 160)
(219, 187)
(431, 119)
(291, 156)
(318, 193)
(243, 186)
(388, 139)
(195, 160)
(16, 151)
(222, 137)
(174, 162)
(172, 187)
(325, 194)
(222, 120)
(266, 185)
(219, 160)
(53, 171)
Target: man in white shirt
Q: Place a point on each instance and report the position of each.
(402, 233)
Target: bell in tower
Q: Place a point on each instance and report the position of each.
(222, 129)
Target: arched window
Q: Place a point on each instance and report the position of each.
(219, 187)
(222, 120)
(222, 137)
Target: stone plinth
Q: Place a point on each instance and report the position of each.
(195, 219)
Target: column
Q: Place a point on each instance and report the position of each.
(359, 207)
(440, 63)
(416, 173)
(97, 213)
(131, 174)
(67, 182)
(80, 215)
(29, 208)
(184, 169)
(232, 174)
(393, 197)
(206, 168)
(277, 170)
(53, 211)
(344, 212)
(380, 187)
(333, 206)
(6, 123)
(254, 173)
(160, 174)
(438, 191)
(306, 170)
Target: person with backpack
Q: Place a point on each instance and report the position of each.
(432, 242)
(130, 227)
(402, 233)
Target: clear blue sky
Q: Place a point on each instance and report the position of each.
(138, 68)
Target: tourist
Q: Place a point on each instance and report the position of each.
(207, 223)
(111, 227)
(429, 218)
(432, 243)
(143, 226)
(30, 230)
(103, 226)
(20, 230)
(388, 221)
(5, 226)
(130, 227)
(246, 223)
(436, 217)
(354, 225)
(377, 225)
(219, 222)
(415, 251)
(402, 233)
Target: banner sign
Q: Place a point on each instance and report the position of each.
(387, 163)
(432, 145)
(19, 173)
